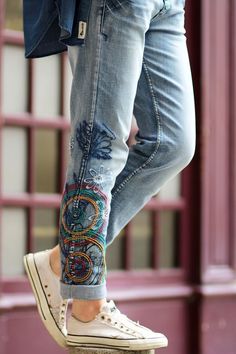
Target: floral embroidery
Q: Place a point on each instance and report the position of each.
(98, 179)
(83, 133)
(101, 140)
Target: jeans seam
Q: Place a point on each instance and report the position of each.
(159, 128)
(93, 106)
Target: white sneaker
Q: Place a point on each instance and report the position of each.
(46, 287)
(111, 329)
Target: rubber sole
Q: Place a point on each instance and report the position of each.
(104, 342)
(41, 301)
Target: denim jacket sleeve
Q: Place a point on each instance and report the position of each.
(50, 25)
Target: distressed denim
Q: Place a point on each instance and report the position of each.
(134, 61)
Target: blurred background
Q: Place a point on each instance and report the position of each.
(174, 266)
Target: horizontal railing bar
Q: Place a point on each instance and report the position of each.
(54, 200)
(28, 120)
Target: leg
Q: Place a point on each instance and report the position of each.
(100, 122)
(164, 110)
(105, 76)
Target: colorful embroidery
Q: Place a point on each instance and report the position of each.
(82, 241)
(80, 214)
(80, 269)
(84, 210)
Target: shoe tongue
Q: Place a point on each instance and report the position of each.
(109, 307)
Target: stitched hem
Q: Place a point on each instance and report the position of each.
(84, 292)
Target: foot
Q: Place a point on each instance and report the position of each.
(86, 310)
(46, 287)
(111, 329)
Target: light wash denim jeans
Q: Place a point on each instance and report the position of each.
(134, 61)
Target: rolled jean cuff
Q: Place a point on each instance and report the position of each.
(84, 292)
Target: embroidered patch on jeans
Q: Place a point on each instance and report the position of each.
(82, 239)
(81, 214)
(98, 179)
(101, 140)
(84, 210)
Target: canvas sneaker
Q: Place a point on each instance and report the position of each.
(46, 287)
(111, 329)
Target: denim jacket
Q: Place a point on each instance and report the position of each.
(50, 25)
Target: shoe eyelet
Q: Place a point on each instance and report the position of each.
(103, 317)
(46, 286)
(108, 320)
(49, 295)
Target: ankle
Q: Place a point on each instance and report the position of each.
(86, 310)
(54, 261)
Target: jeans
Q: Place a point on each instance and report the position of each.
(134, 62)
